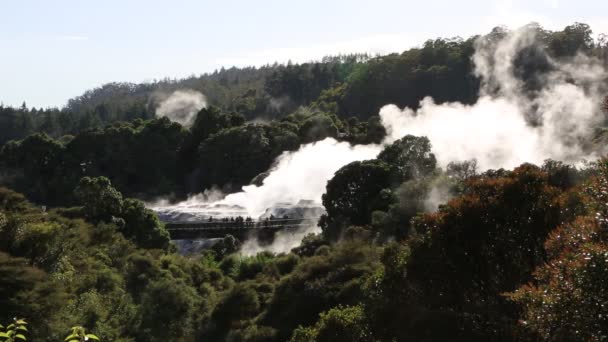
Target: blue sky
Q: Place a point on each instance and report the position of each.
(51, 51)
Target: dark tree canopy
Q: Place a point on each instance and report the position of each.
(102, 202)
(409, 157)
(99, 199)
(354, 192)
(238, 153)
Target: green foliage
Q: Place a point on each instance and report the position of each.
(338, 324)
(286, 264)
(13, 201)
(228, 245)
(121, 153)
(309, 245)
(346, 85)
(303, 83)
(212, 120)
(319, 283)
(573, 39)
(208, 121)
(167, 310)
(99, 199)
(143, 226)
(224, 154)
(25, 290)
(66, 271)
(79, 334)
(412, 198)
(353, 194)
(34, 162)
(443, 279)
(362, 193)
(242, 302)
(318, 127)
(467, 254)
(250, 267)
(567, 297)
(14, 332)
(409, 158)
(441, 68)
(102, 202)
(374, 131)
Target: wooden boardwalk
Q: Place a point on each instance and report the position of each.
(239, 228)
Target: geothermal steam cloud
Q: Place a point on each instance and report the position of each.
(182, 106)
(504, 128)
(300, 175)
(497, 130)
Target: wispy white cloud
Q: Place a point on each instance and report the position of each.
(71, 38)
(374, 44)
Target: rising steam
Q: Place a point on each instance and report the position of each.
(182, 106)
(510, 124)
(300, 175)
(284, 241)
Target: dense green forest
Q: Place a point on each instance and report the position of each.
(514, 255)
(347, 86)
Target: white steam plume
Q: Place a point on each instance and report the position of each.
(507, 126)
(182, 106)
(296, 176)
(300, 175)
(496, 131)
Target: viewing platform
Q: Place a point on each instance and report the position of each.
(239, 227)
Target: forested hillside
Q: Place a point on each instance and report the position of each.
(347, 86)
(409, 249)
